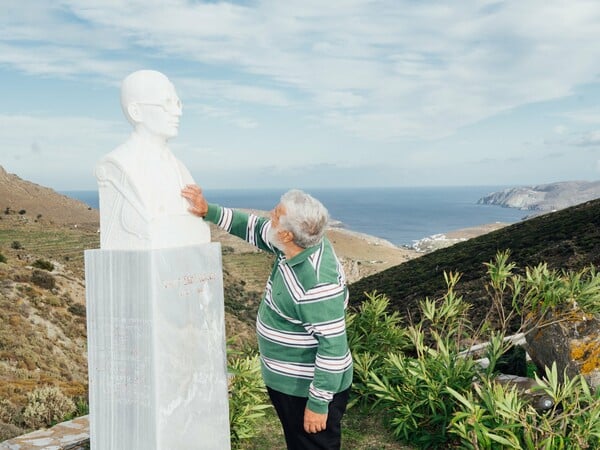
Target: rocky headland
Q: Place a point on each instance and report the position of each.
(544, 197)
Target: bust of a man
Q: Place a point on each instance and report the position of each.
(140, 181)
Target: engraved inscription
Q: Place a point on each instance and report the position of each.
(189, 284)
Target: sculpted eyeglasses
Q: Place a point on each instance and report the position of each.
(170, 105)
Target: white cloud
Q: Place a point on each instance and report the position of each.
(230, 115)
(585, 116)
(590, 139)
(560, 129)
(42, 148)
(200, 88)
(382, 70)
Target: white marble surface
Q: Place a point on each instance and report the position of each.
(156, 349)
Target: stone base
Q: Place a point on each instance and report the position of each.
(156, 349)
(71, 435)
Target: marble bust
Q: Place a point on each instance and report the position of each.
(140, 181)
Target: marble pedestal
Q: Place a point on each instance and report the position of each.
(156, 349)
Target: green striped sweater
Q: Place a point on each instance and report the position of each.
(301, 323)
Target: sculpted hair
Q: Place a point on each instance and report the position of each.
(305, 217)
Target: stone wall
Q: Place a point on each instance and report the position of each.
(71, 435)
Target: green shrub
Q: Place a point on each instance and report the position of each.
(2, 258)
(43, 264)
(247, 398)
(22, 212)
(493, 416)
(43, 279)
(413, 390)
(435, 395)
(82, 408)
(16, 245)
(47, 406)
(77, 309)
(558, 292)
(373, 329)
(372, 334)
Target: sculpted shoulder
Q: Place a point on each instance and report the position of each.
(122, 157)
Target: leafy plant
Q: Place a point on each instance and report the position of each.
(82, 408)
(2, 258)
(247, 398)
(372, 334)
(411, 387)
(548, 290)
(47, 406)
(435, 394)
(494, 417)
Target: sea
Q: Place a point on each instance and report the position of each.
(401, 215)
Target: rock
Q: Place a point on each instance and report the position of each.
(538, 399)
(572, 341)
(544, 197)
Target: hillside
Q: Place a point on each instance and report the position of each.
(41, 203)
(567, 239)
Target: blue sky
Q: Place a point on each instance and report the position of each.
(310, 93)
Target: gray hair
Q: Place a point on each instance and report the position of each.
(305, 217)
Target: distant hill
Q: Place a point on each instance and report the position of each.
(567, 239)
(545, 197)
(41, 202)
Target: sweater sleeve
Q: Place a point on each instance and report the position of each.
(323, 312)
(249, 227)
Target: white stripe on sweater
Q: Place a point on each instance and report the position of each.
(318, 293)
(319, 394)
(285, 338)
(296, 370)
(327, 329)
(226, 219)
(316, 258)
(334, 365)
(271, 304)
(264, 234)
(250, 226)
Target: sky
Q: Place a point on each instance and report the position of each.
(310, 93)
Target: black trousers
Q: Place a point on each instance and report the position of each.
(290, 410)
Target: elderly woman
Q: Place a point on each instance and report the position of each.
(301, 328)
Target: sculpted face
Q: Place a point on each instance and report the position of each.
(151, 104)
